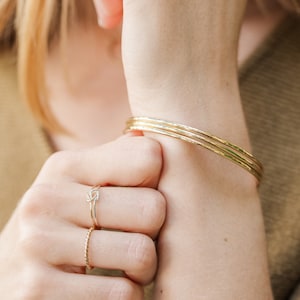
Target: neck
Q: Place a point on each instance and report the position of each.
(88, 91)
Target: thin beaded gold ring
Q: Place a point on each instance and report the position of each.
(86, 248)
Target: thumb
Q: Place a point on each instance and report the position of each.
(109, 12)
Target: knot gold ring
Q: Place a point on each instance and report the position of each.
(92, 197)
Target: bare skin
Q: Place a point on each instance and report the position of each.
(39, 228)
(91, 83)
(220, 239)
(201, 90)
(44, 239)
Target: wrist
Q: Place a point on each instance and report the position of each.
(205, 170)
(214, 221)
(200, 140)
(213, 106)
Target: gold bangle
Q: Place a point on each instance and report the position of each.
(195, 136)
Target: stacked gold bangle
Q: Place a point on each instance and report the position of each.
(195, 136)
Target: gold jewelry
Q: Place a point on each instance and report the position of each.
(195, 136)
(86, 248)
(92, 197)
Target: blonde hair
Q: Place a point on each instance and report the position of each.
(29, 27)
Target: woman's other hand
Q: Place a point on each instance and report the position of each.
(42, 247)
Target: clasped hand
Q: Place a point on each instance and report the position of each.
(42, 246)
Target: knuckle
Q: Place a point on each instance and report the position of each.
(36, 201)
(61, 162)
(141, 251)
(154, 210)
(124, 289)
(149, 153)
(34, 284)
(152, 151)
(33, 241)
(34, 207)
(151, 146)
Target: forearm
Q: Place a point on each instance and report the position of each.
(212, 245)
(213, 242)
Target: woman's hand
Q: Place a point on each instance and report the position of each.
(42, 247)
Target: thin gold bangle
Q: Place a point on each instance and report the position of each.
(195, 136)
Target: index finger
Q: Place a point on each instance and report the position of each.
(127, 161)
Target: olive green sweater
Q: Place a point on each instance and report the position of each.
(270, 88)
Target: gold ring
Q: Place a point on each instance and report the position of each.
(86, 248)
(92, 197)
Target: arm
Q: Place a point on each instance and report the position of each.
(180, 64)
